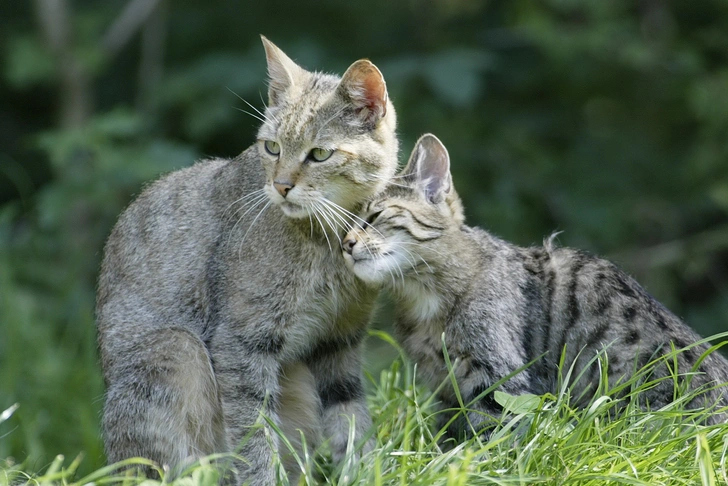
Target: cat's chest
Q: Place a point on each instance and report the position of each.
(420, 327)
(326, 301)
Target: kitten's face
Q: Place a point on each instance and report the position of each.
(327, 143)
(399, 239)
(406, 225)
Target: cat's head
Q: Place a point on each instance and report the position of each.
(326, 141)
(408, 224)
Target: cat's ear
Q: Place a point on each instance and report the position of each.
(282, 71)
(363, 86)
(429, 168)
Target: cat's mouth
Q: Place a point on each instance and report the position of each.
(293, 210)
(364, 267)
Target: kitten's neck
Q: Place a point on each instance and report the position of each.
(431, 295)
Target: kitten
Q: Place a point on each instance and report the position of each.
(213, 307)
(501, 306)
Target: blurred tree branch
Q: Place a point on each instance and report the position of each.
(76, 96)
(75, 101)
(151, 64)
(127, 24)
(672, 252)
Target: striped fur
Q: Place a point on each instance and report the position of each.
(501, 306)
(222, 296)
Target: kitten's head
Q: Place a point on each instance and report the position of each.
(407, 225)
(326, 141)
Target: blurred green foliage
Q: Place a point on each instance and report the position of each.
(605, 120)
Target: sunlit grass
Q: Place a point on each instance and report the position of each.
(537, 440)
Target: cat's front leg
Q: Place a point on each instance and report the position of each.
(248, 382)
(336, 365)
(481, 412)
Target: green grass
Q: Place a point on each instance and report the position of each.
(538, 440)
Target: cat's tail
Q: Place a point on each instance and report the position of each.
(550, 243)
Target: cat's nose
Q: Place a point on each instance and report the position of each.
(348, 245)
(282, 187)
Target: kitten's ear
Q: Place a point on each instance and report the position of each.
(282, 71)
(363, 86)
(429, 168)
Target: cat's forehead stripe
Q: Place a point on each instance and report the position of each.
(310, 104)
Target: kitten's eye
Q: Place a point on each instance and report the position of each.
(319, 154)
(272, 147)
(370, 219)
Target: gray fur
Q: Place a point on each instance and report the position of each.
(217, 301)
(501, 306)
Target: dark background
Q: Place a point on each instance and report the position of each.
(607, 120)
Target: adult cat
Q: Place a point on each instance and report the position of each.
(212, 309)
(501, 306)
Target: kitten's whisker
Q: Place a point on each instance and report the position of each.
(399, 270)
(411, 258)
(413, 254)
(429, 248)
(389, 270)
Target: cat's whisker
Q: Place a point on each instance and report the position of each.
(265, 105)
(315, 215)
(240, 249)
(255, 200)
(253, 205)
(240, 199)
(346, 224)
(262, 117)
(331, 221)
(363, 226)
(389, 181)
(333, 210)
(262, 120)
(343, 213)
(242, 202)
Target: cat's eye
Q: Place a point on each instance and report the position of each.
(319, 154)
(272, 147)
